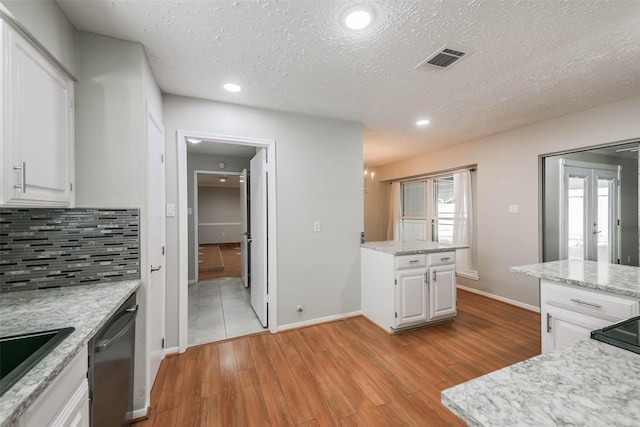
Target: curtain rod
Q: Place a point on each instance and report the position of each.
(471, 168)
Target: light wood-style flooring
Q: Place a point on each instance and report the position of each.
(344, 373)
(218, 261)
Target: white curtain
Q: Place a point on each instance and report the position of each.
(463, 222)
(394, 230)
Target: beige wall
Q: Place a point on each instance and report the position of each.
(508, 174)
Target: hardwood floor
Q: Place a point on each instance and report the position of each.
(228, 266)
(344, 373)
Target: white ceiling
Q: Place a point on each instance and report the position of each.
(531, 60)
(213, 180)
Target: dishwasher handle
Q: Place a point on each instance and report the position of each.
(104, 344)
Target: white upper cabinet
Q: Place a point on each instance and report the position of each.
(36, 119)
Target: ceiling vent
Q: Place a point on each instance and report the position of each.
(443, 58)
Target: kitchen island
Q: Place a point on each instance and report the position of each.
(577, 381)
(408, 284)
(588, 383)
(86, 308)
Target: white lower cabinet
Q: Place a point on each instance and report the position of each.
(406, 291)
(65, 402)
(410, 298)
(442, 292)
(569, 313)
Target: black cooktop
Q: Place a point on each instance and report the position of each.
(625, 334)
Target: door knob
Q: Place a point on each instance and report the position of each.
(155, 268)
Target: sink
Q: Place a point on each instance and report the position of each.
(19, 353)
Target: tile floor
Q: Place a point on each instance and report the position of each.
(220, 309)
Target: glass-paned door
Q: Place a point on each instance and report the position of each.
(590, 201)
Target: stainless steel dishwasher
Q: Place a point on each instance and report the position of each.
(111, 354)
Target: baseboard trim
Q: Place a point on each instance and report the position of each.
(170, 351)
(319, 320)
(139, 414)
(502, 299)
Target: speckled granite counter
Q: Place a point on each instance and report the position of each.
(586, 384)
(410, 247)
(86, 308)
(614, 278)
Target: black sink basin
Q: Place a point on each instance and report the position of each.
(19, 353)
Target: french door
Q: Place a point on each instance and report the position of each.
(590, 221)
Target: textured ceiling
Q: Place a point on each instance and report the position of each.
(530, 60)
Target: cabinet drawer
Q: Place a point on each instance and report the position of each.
(440, 258)
(600, 304)
(411, 261)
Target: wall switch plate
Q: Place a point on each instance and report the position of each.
(514, 209)
(316, 226)
(171, 209)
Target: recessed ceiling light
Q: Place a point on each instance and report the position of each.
(223, 179)
(194, 140)
(357, 18)
(422, 122)
(232, 87)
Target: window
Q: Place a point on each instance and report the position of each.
(428, 208)
(431, 212)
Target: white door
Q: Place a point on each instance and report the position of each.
(442, 292)
(156, 242)
(258, 247)
(590, 220)
(411, 298)
(244, 230)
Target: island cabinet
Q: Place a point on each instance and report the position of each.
(65, 402)
(36, 122)
(406, 291)
(569, 313)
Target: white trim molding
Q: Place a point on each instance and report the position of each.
(319, 320)
(502, 299)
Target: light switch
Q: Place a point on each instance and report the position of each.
(514, 209)
(171, 209)
(316, 226)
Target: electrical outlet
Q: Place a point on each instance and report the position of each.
(514, 209)
(316, 226)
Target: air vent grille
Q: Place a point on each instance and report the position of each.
(441, 59)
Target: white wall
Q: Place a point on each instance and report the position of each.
(115, 83)
(508, 174)
(45, 21)
(319, 178)
(219, 215)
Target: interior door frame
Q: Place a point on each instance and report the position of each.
(562, 208)
(196, 233)
(183, 218)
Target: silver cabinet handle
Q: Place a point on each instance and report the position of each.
(445, 258)
(434, 276)
(413, 261)
(155, 268)
(548, 322)
(590, 304)
(426, 278)
(23, 169)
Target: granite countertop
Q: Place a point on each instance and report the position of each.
(613, 278)
(589, 383)
(86, 308)
(410, 247)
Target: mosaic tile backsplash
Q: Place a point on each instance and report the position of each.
(43, 248)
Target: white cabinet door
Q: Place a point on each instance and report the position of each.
(411, 298)
(442, 291)
(37, 126)
(75, 412)
(564, 327)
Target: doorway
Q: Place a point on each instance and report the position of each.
(219, 303)
(187, 212)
